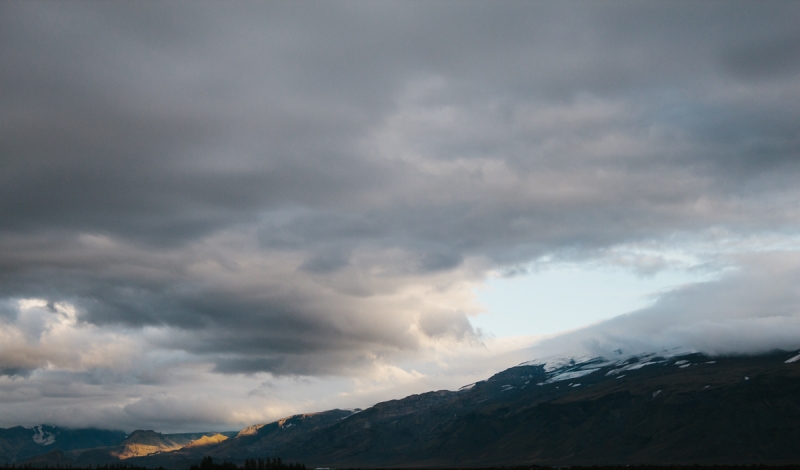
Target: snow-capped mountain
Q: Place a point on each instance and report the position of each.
(668, 407)
(664, 407)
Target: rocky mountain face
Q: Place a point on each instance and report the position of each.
(652, 409)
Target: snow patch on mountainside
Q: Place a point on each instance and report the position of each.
(568, 375)
(42, 437)
(566, 368)
(634, 366)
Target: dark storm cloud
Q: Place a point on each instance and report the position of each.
(263, 178)
(120, 132)
(775, 56)
(15, 372)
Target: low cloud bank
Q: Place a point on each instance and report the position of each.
(752, 310)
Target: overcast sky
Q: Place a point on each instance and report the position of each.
(218, 214)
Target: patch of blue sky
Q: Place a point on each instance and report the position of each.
(563, 297)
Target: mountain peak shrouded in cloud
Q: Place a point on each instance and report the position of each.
(665, 407)
(213, 215)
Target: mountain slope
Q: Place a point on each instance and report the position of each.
(257, 440)
(206, 441)
(649, 409)
(19, 443)
(143, 443)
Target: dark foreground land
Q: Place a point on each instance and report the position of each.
(208, 465)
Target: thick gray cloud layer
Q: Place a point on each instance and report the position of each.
(309, 188)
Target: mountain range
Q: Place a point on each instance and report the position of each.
(658, 408)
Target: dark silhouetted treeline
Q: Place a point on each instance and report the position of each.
(115, 466)
(249, 464)
(206, 464)
(276, 464)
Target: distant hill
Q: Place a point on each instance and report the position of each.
(50, 445)
(143, 443)
(664, 408)
(19, 443)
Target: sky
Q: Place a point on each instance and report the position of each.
(219, 214)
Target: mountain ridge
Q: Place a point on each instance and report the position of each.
(671, 407)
